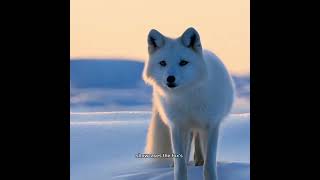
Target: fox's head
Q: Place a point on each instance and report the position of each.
(174, 64)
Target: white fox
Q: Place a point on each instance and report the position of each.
(192, 93)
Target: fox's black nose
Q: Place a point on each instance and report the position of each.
(171, 79)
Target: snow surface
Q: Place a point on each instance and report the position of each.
(104, 145)
(109, 115)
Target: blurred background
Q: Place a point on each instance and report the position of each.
(108, 45)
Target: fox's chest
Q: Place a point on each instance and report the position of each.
(195, 111)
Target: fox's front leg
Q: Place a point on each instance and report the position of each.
(210, 162)
(178, 140)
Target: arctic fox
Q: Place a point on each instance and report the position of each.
(192, 93)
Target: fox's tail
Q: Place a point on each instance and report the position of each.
(158, 138)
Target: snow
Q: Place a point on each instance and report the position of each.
(109, 116)
(227, 171)
(104, 145)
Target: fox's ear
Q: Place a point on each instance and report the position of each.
(155, 41)
(191, 39)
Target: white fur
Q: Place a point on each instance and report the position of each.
(202, 99)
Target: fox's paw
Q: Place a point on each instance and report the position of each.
(199, 163)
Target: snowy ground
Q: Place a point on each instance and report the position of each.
(104, 143)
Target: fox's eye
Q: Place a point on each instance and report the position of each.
(163, 63)
(183, 62)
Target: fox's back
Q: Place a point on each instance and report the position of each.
(220, 86)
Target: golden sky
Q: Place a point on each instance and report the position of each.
(119, 28)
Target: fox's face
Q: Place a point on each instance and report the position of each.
(174, 63)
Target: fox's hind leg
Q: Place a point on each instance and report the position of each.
(198, 157)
